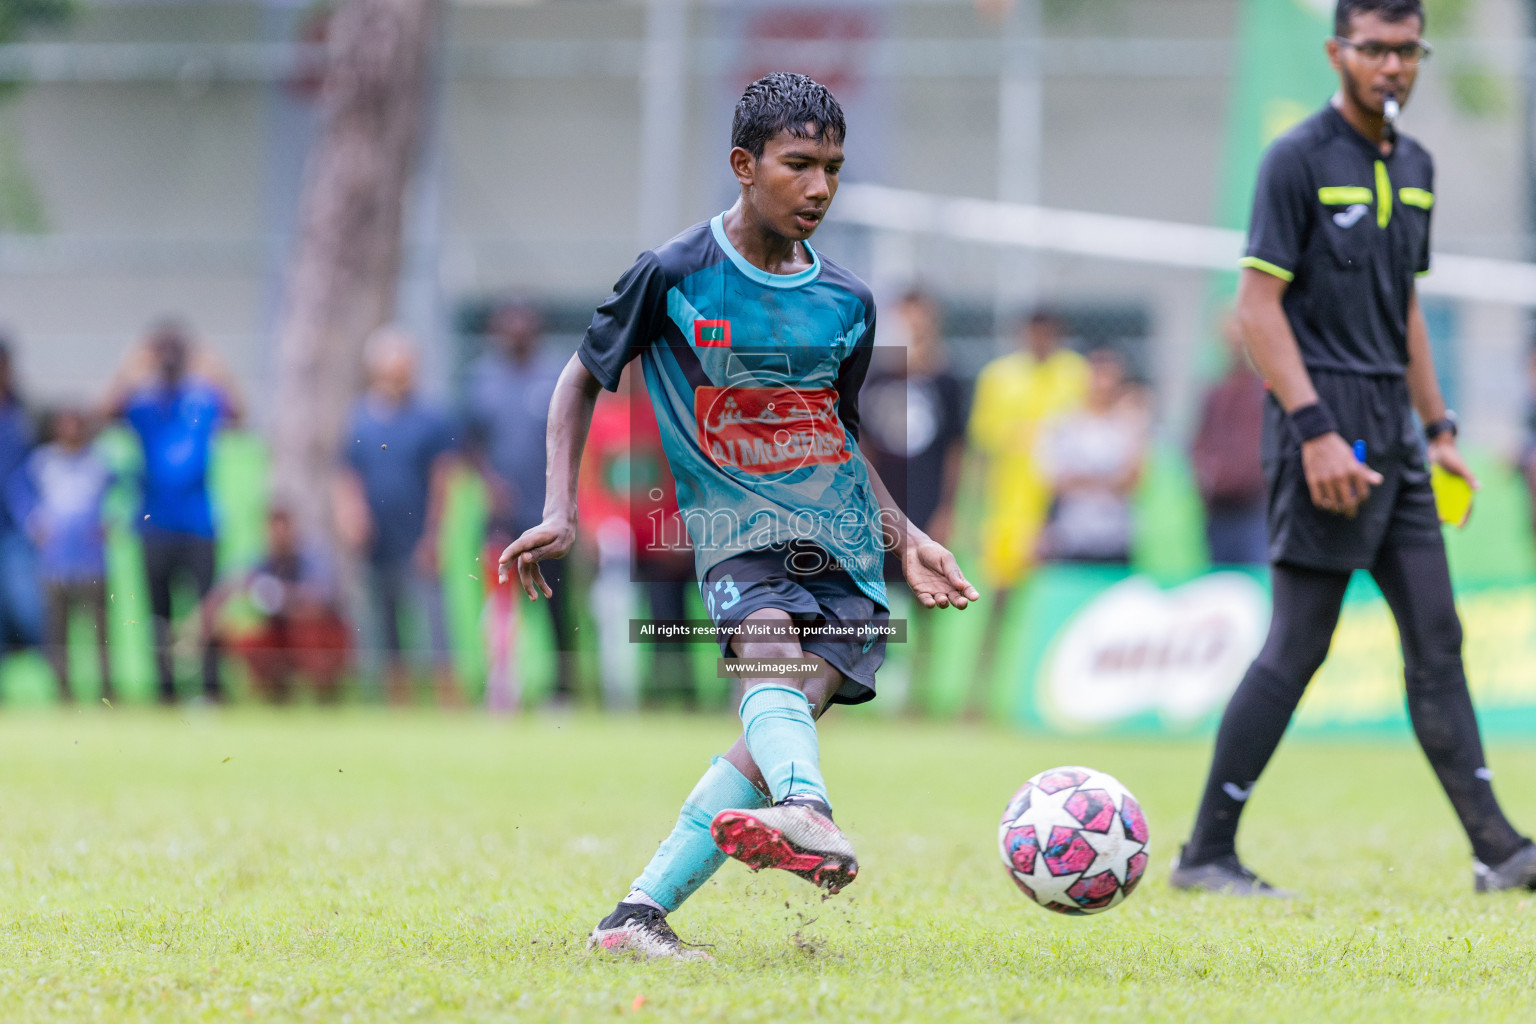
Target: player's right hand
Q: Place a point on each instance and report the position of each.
(552, 538)
(1338, 482)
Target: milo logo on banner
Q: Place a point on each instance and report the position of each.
(1136, 648)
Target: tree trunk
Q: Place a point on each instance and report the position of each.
(345, 270)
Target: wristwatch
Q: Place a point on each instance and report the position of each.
(1450, 423)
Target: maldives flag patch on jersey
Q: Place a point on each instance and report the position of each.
(712, 333)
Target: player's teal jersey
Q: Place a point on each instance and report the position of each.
(754, 378)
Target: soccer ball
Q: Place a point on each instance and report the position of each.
(1074, 840)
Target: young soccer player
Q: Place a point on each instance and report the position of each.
(753, 347)
(1328, 308)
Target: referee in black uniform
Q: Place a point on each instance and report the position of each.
(1329, 311)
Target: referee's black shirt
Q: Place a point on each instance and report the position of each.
(1349, 229)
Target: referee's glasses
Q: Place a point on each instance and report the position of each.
(1374, 53)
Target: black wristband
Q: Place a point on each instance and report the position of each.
(1447, 424)
(1313, 420)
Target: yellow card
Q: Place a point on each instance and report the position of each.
(1453, 496)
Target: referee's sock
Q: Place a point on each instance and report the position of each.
(1416, 582)
(1255, 719)
(1446, 727)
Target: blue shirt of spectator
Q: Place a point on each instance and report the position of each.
(15, 443)
(176, 428)
(392, 448)
(509, 411)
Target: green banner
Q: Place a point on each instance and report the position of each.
(1112, 651)
(1281, 75)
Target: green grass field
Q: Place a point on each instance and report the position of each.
(369, 866)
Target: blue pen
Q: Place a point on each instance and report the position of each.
(1359, 451)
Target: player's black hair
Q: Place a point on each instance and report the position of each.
(786, 102)
(1387, 10)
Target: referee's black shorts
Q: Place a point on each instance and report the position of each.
(1400, 511)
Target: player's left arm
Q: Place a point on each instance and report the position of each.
(1424, 392)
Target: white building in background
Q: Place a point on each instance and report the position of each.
(161, 145)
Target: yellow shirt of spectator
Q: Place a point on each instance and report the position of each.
(1015, 395)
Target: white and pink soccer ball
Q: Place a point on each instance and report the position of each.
(1074, 840)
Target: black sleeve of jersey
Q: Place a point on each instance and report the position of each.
(626, 322)
(850, 377)
(1282, 213)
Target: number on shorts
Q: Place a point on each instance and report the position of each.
(727, 586)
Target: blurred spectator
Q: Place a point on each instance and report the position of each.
(1015, 395)
(1227, 463)
(912, 415)
(628, 506)
(1093, 457)
(612, 599)
(509, 391)
(176, 401)
(63, 486)
(21, 607)
(301, 630)
(663, 556)
(398, 455)
(912, 412)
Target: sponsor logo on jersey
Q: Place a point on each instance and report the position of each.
(769, 430)
(1348, 218)
(712, 333)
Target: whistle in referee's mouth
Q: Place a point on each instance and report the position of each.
(1390, 108)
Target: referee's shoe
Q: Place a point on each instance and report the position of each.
(1518, 872)
(1224, 875)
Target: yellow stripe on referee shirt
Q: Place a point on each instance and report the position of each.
(1344, 195)
(1383, 196)
(1269, 268)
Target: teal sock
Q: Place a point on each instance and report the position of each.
(688, 856)
(781, 737)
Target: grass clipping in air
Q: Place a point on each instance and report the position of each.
(373, 867)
